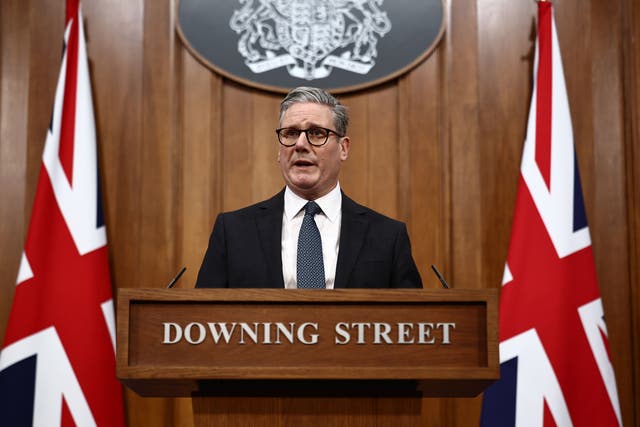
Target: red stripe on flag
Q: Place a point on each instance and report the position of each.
(72, 10)
(68, 122)
(544, 92)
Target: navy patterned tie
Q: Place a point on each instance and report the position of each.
(310, 266)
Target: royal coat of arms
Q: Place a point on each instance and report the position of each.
(310, 37)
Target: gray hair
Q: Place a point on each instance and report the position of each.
(317, 96)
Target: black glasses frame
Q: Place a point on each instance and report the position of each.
(306, 134)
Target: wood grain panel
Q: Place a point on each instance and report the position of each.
(160, 180)
(116, 72)
(201, 178)
(353, 173)
(266, 179)
(158, 185)
(44, 65)
(382, 162)
(439, 148)
(14, 41)
(422, 139)
(505, 72)
(461, 127)
(610, 240)
(267, 412)
(369, 175)
(237, 147)
(631, 56)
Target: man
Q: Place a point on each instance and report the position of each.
(310, 235)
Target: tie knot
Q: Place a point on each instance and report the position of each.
(312, 208)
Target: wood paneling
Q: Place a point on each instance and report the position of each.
(14, 92)
(504, 92)
(611, 249)
(200, 119)
(116, 72)
(631, 55)
(329, 412)
(465, 183)
(438, 148)
(423, 140)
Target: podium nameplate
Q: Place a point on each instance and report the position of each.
(180, 341)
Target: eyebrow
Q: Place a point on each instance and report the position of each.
(309, 126)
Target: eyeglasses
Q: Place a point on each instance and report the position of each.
(316, 136)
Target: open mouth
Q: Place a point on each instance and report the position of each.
(303, 163)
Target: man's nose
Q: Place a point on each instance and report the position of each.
(302, 141)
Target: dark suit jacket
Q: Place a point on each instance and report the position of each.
(245, 249)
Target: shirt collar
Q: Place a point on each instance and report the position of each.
(330, 203)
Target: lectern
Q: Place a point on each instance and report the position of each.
(275, 357)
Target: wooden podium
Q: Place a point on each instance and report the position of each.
(275, 357)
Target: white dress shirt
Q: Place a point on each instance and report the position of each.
(328, 222)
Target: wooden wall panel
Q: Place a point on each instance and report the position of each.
(462, 130)
(237, 142)
(353, 176)
(631, 56)
(438, 148)
(504, 74)
(611, 249)
(382, 154)
(428, 205)
(265, 179)
(158, 190)
(14, 91)
(462, 127)
(199, 134)
(29, 69)
(44, 64)
(116, 72)
(374, 149)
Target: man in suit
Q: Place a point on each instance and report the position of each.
(309, 235)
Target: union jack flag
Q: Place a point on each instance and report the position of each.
(57, 364)
(554, 355)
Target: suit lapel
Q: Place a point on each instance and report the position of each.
(352, 233)
(269, 223)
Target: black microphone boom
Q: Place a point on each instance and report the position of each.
(444, 282)
(175, 279)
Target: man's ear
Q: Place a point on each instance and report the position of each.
(344, 148)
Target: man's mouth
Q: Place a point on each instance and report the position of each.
(303, 163)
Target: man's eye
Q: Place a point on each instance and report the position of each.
(317, 133)
(291, 133)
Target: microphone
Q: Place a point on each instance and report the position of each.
(175, 279)
(444, 282)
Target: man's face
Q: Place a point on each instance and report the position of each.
(311, 172)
